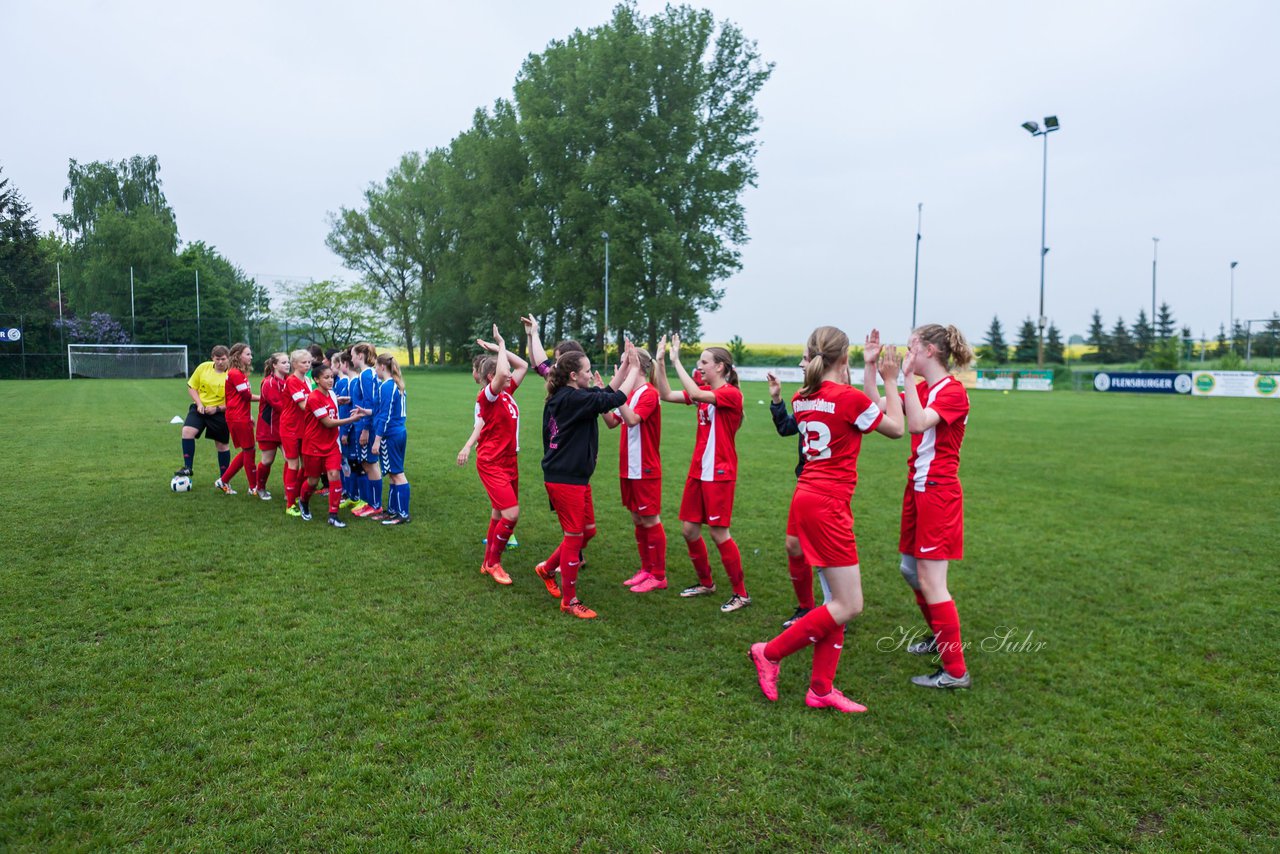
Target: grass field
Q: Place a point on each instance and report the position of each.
(198, 672)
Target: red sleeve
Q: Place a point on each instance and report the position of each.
(318, 404)
(483, 403)
(270, 392)
(865, 413)
(647, 403)
(952, 402)
(729, 398)
(238, 384)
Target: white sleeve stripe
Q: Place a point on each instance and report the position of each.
(867, 418)
(242, 386)
(298, 395)
(489, 395)
(319, 413)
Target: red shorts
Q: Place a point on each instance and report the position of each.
(291, 447)
(573, 506)
(642, 497)
(707, 502)
(824, 524)
(933, 523)
(314, 465)
(241, 433)
(268, 444)
(501, 480)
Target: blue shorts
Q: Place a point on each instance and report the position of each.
(362, 452)
(391, 453)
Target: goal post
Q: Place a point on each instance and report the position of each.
(126, 361)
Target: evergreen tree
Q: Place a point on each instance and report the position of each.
(995, 348)
(1122, 348)
(1222, 345)
(1239, 337)
(1054, 352)
(25, 267)
(1270, 338)
(1098, 340)
(1165, 323)
(1027, 348)
(1142, 335)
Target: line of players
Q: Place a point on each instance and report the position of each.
(337, 418)
(830, 417)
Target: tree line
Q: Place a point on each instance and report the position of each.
(633, 139)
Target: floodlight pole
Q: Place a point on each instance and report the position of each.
(1155, 248)
(132, 313)
(199, 344)
(1051, 124)
(1231, 321)
(605, 235)
(915, 284)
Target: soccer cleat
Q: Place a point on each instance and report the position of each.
(496, 572)
(396, 519)
(183, 472)
(365, 511)
(346, 502)
(650, 583)
(578, 610)
(697, 590)
(357, 504)
(924, 647)
(304, 510)
(381, 516)
(335, 521)
(513, 542)
(636, 579)
(548, 578)
(800, 612)
(223, 488)
(264, 495)
(292, 510)
(735, 603)
(253, 491)
(323, 493)
(942, 679)
(834, 700)
(766, 671)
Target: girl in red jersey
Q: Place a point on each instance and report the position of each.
(240, 398)
(497, 440)
(932, 532)
(320, 452)
(291, 427)
(713, 472)
(570, 439)
(831, 417)
(640, 474)
(270, 404)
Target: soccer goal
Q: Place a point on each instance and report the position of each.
(126, 361)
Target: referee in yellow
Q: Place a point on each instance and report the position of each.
(208, 390)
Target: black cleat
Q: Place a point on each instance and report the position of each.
(305, 510)
(335, 521)
(789, 621)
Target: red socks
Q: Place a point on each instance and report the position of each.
(264, 472)
(701, 562)
(826, 658)
(656, 545)
(236, 464)
(732, 559)
(924, 609)
(811, 628)
(291, 478)
(308, 489)
(570, 557)
(801, 580)
(499, 534)
(335, 497)
(642, 546)
(946, 628)
(243, 460)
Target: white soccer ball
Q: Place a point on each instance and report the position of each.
(180, 483)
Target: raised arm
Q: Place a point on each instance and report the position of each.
(536, 353)
(660, 375)
(870, 355)
(918, 417)
(891, 424)
(503, 372)
(696, 395)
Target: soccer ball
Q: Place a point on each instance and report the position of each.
(180, 483)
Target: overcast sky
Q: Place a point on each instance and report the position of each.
(268, 115)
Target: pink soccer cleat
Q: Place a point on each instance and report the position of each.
(636, 579)
(648, 583)
(834, 700)
(766, 670)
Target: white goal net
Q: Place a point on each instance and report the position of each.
(126, 361)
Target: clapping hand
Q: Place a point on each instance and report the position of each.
(775, 387)
(871, 347)
(674, 347)
(888, 366)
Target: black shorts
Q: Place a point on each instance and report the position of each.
(214, 425)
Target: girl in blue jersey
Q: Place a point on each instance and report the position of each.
(389, 439)
(341, 364)
(364, 394)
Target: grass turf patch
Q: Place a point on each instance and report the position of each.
(199, 671)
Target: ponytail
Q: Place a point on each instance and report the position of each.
(389, 362)
(269, 366)
(952, 347)
(558, 374)
(722, 357)
(826, 346)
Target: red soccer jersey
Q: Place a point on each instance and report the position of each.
(935, 453)
(639, 457)
(270, 404)
(239, 394)
(291, 417)
(831, 422)
(317, 439)
(714, 456)
(500, 436)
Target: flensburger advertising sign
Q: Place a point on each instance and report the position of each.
(1150, 382)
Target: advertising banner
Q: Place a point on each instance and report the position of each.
(10, 334)
(996, 380)
(1235, 384)
(1035, 380)
(1147, 382)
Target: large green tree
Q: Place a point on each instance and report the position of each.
(26, 267)
(1028, 347)
(1098, 339)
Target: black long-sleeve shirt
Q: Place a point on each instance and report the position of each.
(785, 423)
(571, 432)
